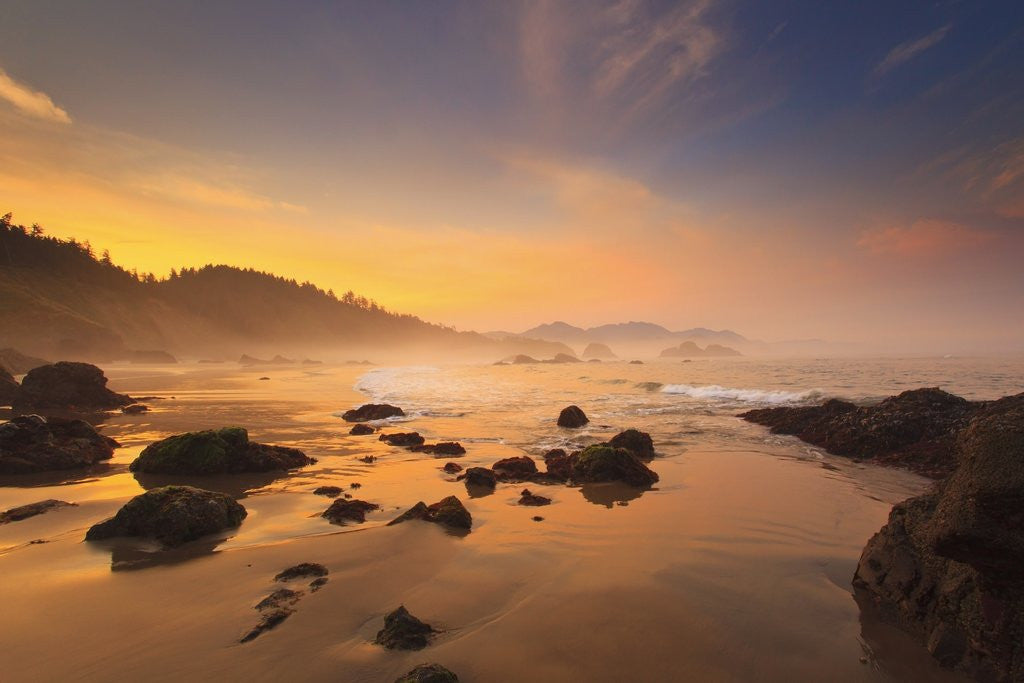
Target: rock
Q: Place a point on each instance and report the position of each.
(361, 430)
(403, 631)
(135, 409)
(444, 449)
(303, 570)
(429, 673)
(372, 411)
(30, 443)
(636, 362)
(689, 349)
(32, 509)
(537, 518)
(221, 451)
(528, 498)
(915, 430)
(172, 515)
(635, 441)
(452, 467)
(274, 608)
(264, 379)
(563, 358)
(348, 510)
(598, 351)
(604, 463)
(403, 439)
(18, 363)
(572, 417)
(154, 357)
(317, 584)
(559, 464)
(276, 360)
(329, 491)
(518, 468)
(449, 512)
(8, 387)
(948, 567)
(480, 477)
(67, 386)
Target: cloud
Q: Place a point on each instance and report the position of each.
(29, 101)
(926, 237)
(910, 49)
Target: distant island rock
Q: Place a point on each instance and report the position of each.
(221, 451)
(523, 359)
(19, 363)
(596, 350)
(31, 443)
(689, 349)
(276, 360)
(67, 386)
(372, 411)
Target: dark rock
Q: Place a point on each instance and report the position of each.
(372, 411)
(480, 477)
(403, 439)
(559, 464)
(32, 509)
(916, 429)
(264, 379)
(348, 510)
(537, 518)
(403, 631)
(67, 386)
(361, 430)
(429, 673)
(282, 597)
(302, 570)
(30, 443)
(329, 491)
(449, 512)
(274, 608)
(604, 463)
(518, 468)
(572, 417)
(528, 498)
(221, 451)
(452, 467)
(172, 515)
(636, 362)
(368, 458)
(948, 567)
(598, 351)
(317, 584)
(444, 449)
(135, 409)
(18, 363)
(8, 387)
(639, 443)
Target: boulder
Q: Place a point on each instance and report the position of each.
(31, 510)
(8, 387)
(518, 468)
(361, 430)
(915, 430)
(480, 477)
(429, 673)
(19, 363)
(572, 417)
(372, 411)
(403, 631)
(598, 351)
(303, 570)
(30, 443)
(559, 464)
(604, 463)
(172, 515)
(348, 510)
(948, 567)
(216, 451)
(444, 449)
(403, 439)
(635, 441)
(526, 497)
(452, 467)
(449, 512)
(67, 386)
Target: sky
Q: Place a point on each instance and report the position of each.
(851, 171)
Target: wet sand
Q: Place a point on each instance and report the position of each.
(735, 567)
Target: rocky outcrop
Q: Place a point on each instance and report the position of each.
(429, 673)
(220, 451)
(452, 467)
(596, 350)
(559, 464)
(572, 417)
(30, 443)
(443, 449)
(8, 387)
(31, 510)
(604, 463)
(403, 439)
(361, 430)
(519, 468)
(172, 515)
(450, 512)
(403, 631)
(372, 411)
(67, 386)
(19, 363)
(948, 567)
(479, 477)
(915, 430)
(348, 510)
(637, 442)
(329, 491)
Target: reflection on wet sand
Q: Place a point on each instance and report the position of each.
(610, 493)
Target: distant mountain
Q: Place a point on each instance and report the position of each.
(634, 335)
(688, 349)
(58, 300)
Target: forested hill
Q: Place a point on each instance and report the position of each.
(58, 298)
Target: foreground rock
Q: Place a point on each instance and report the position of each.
(526, 497)
(31, 510)
(372, 411)
(361, 430)
(519, 468)
(348, 510)
(403, 631)
(172, 515)
(429, 673)
(403, 439)
(605, 463)
(220, 451)
(443, 449)
(479, 477)
(949, 565)
(572, 417)
(449, 512)
(8, 387)
(916, 429)
(67, 386)
(635, 441)
(30, 443)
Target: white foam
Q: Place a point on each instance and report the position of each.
(714, 392)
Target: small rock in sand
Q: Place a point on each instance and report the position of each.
(403, 631)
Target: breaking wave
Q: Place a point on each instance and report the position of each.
(714, 392)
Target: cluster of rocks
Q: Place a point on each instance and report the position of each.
(280, 604)
(449, 512)
(30, 443)
(416, 443)
(220, 451)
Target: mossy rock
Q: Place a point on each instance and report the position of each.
(640, 443)
(602, 463)
(216, 451)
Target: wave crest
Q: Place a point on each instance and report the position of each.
(714, 392)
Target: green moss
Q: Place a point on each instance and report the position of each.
(206, 452)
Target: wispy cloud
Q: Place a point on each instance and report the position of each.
(28, 101)
(927, 237)
(910, 49)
